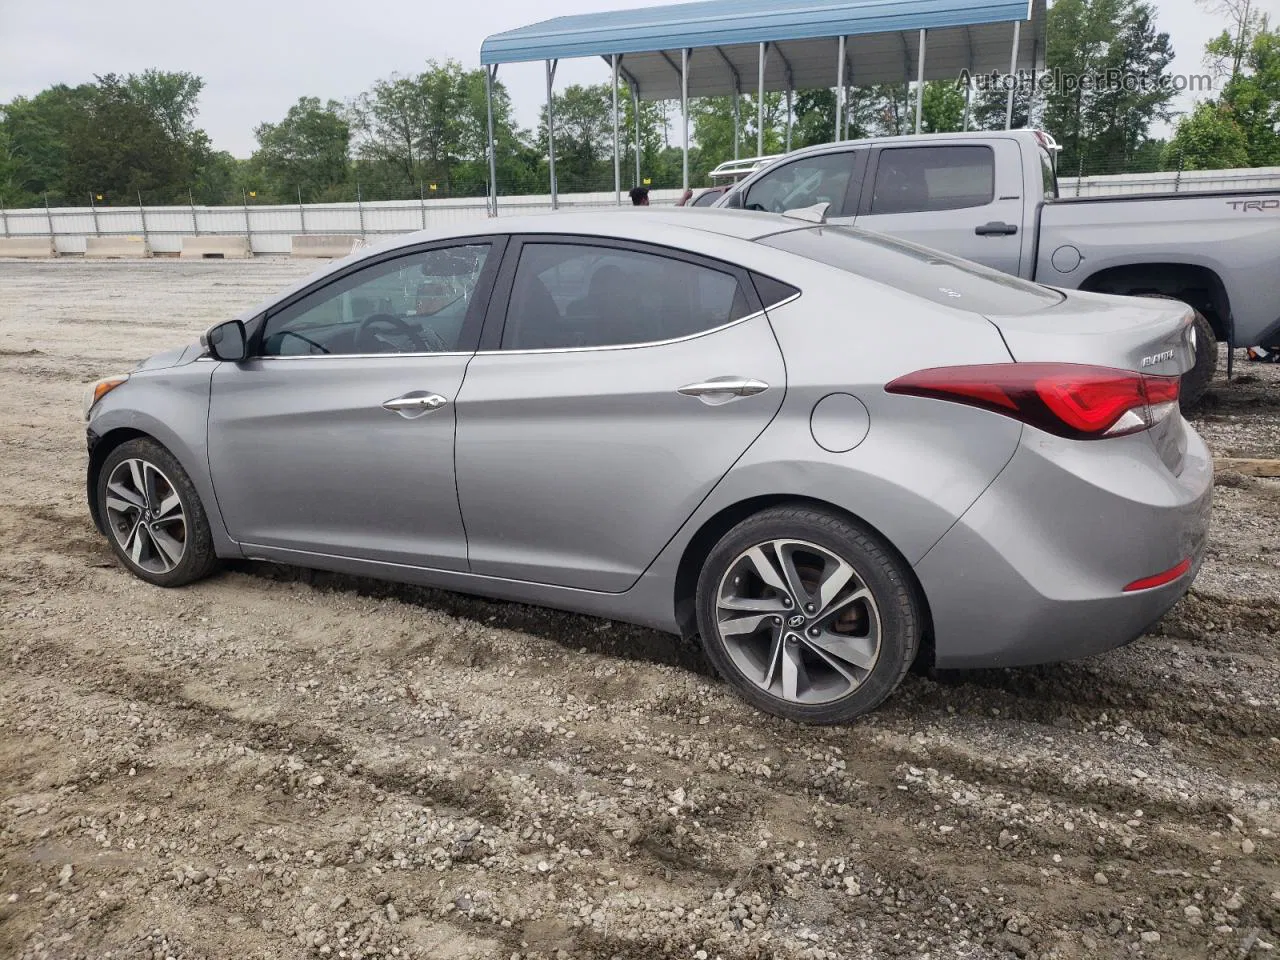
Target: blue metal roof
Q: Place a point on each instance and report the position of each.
(713, 23)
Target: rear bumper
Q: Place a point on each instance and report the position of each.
(1035, 571)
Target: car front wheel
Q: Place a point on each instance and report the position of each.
(808, 614)
(154, 519)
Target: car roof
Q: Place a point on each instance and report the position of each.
(902, 140)
(663, 226)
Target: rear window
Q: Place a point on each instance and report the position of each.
(917, 270)
(914, 179)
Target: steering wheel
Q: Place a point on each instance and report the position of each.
(368, 341)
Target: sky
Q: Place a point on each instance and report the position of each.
(257, 57)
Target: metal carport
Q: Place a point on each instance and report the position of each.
(718, 47)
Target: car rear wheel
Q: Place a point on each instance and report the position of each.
(1196, 380)
(809, 615)
(153, 515)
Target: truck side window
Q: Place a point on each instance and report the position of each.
(804, 182)
(912, 179)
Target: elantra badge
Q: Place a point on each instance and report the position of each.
(1158, 358)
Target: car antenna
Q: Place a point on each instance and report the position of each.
(814, 214)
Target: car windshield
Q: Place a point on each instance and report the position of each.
(919, 270)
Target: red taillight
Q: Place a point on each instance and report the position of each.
(1160, 579)
(1071, 400)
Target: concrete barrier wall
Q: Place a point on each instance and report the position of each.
(225, 248)
(26, 247)
(129, 247)
(322, 245)
(270, 228)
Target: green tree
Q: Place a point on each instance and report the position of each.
(653, 133)
(169, 97)
(307, 153)
(583, 137)
(1225, 54)
(942, 109)
(1253, 96)
(815, 117)
(515, 159)
(1209, 139)
(37, 131)
(119, 147)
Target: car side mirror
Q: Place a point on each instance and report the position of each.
(226, 341)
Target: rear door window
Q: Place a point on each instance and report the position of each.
(913, 179)
(580, 295)
(917, 270)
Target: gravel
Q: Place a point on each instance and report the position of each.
(280, 763)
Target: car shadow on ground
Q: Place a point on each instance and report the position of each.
(574, 632)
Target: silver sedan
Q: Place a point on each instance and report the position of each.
(823, 451)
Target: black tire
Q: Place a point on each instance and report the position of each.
(198, 559)
(1196, 380)
(877, 566)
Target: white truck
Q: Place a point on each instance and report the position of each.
(992, 197)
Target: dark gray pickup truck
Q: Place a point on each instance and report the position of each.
(993, 198)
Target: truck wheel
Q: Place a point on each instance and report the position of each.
(1196, 380)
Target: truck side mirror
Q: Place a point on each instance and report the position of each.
(226, 341)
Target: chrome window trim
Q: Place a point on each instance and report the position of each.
(645, 343)
(494, 353)
(345, 356)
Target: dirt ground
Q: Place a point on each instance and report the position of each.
(281, 764)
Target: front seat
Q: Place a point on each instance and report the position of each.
(614, 304)
(541, 325)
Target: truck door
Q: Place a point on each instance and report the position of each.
(961, 197)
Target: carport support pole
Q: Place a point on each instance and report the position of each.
(191, 201)
(489, 73)
(302, 213)
(4, 220)
(635, 113)
(684, 114)
(736, 127)
(764, 52)
(94, 210)
(788, 118)
(920, 82)
(840, 92)
(617, 157)
(968, 98)
(142, 212)
(551, 134)
(1013, 70)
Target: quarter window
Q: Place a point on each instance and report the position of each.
(914, 179)
(802, 183)
(569, 295)
(413, 304)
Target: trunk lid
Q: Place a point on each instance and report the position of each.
(1151, 336)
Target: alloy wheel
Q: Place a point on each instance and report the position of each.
(145, 515)
(798, 621)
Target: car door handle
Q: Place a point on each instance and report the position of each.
(723, 389)
(415, 404)
(996, 228)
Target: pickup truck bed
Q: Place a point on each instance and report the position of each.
(992, 198)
